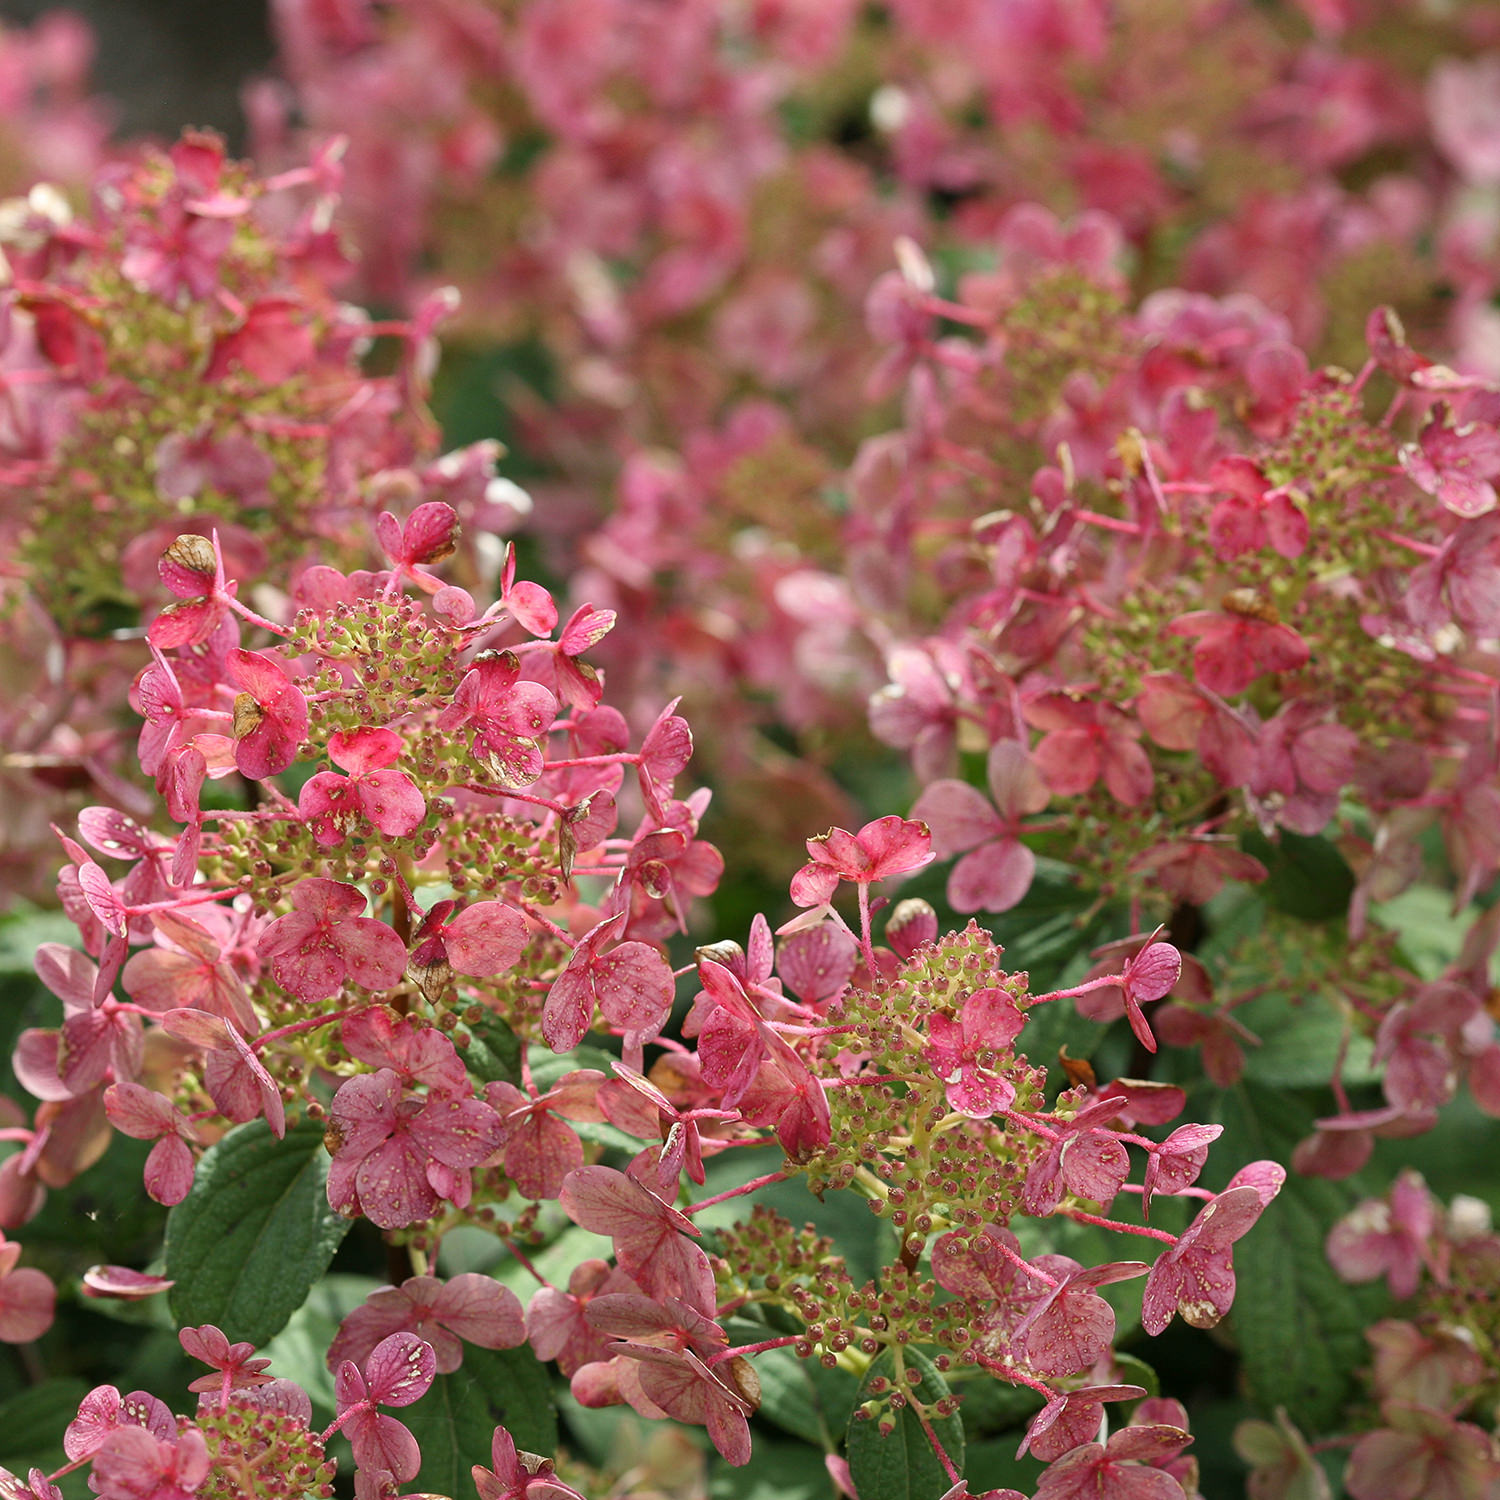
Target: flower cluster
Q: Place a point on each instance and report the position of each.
(176, 365)
(449, 875)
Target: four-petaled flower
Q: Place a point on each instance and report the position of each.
(509, 717)
(324, 941)
(996, 869)
(1196, 1275)
(331, 805)
(888, 846)
(513, 1475)
(467, 1309)
(1238, 643)
(396, 1158)
(398, 1371)
(270, 714)
(962, 1052)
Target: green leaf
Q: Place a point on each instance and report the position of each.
(38, 1416)
(1300, 1040)
(31, 1430)
(776, 1471)
(1309, 878)
(456, 1420)
(247, 1244)
(547, 1067)
(1300, 1329)
(1431, 933)
(493, 1053)
(24, 930)
(903, 1466)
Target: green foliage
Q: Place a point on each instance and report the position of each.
(300, 1351)
(902, 1465)
(247, 1244)
(1309, 878)
(493, 1051)
(455, 1421)
(38, 1416)
(776, 1471)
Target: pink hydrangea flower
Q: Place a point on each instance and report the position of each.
(236, 1364)
(1070, 1325)
(1196, 1275)
(1083, 1158)
(148, 1116)
(557, 1321)
(324, 941)
(192, 569)
(1122, 1468)
(270, 714)
(539, 1150)
(996, 869)
(1456, 463)
(1236, 645)
(104, 1409)
(959, 1051)
(650, 1237)
(1390, 1237)
(1085, 740)
(396, 1158)
(1254, 515)
(399, 1370)
(509, 716)
(631, 986)
(888, 846)
(236, 1079)
(513, 1475)
(1070, 1418)
(1422, 1453)
(27, 1298)
(133, 1463)
(469, 1308)
(481, 940)
(429, 535)
(187, 969)
(388, 799)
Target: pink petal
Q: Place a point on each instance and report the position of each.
(481, 1311)
(484, 939)
(27, 1299)
(994, 877)
(121, 1283)
(815, 964)
(399, 1370)
(375, 955)
(958, 817)
(169, 1171)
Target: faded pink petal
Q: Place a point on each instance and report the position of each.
(484, 939)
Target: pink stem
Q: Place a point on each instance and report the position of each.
(1016, 1377)
(739, 1192)
(937, 1447)
(864, 928)
(744, 1349)
(522, 1258)
(246, 613)
(299, 1026)
(1087, 1218)
(1020, 1262)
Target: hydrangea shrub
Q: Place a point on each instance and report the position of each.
(914, 918)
